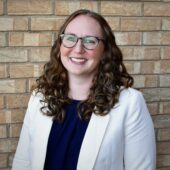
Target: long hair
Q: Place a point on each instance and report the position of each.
(106, 85)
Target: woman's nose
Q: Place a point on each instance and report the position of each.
(79, 47)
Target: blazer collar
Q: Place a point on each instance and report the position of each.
(92, 141)
(90, 146)
(44, 124)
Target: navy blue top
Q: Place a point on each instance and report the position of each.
(65, 140)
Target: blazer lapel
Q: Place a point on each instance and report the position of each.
(43, 128)
(92, 141)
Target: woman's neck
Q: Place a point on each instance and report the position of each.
(79, 87)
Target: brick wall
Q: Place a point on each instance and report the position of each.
(27, 31)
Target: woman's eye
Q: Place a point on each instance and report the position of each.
(89, 41)
(73, 39)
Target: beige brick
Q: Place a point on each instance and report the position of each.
(68, 7)
(152, 38)
(45, 40)
(150, 67)
(165, 66)
(3, 72)
(163, 161)
(128, 53)
(25, 70)
(156, 9)
(133, 67)
(140, 24)
(165, 53)
(151, 81)
(114, 23)
(17, 115)
(3, 41)
(17, 7)
(165, 38)
(141, 53)
(6, 24)
(128, 38)
(1, 102)
(40, 54)
(156, 38)
(13, 55)
(15, 130)
(163, 148)
(30, 39)
(164, 168)
(16, 39)
(150, 53)
(10, 160)
(6, 168)
(165, 107)
(3, 116)
(3, 160)
(151, 94)
(163, 134)
(3, 131)
(49, 24)
(12, 86)
(139, 81)
(13, 144)
(17, 101)
(33, 39)
(153, 108)
(4, 145)
(164, 94)
(162, 121)
(121, 8)
(31, 84)
(20, 24)
(166, 24)
(1, 7)
(165, 80)
(145, 81)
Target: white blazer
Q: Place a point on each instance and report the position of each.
(122, 140)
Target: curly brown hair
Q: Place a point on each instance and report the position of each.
(104, 93)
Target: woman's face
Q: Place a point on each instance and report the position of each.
(78, 60)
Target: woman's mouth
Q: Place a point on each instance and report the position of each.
(78, 60)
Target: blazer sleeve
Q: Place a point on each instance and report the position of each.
(21, 159)
(140, 150)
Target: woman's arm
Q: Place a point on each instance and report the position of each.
(140, 152)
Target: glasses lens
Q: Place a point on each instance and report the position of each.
(69, 40)
(90, 42)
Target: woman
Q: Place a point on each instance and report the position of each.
(83, 113)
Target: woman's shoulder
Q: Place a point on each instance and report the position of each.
(35, 101)
(131, 97)
(34, 106)
(129, 93)
(131, 104)
(36, 96)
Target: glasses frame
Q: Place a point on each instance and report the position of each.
(81, 38)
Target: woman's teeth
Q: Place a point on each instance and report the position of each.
(78, 60)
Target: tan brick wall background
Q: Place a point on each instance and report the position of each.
(28, 29)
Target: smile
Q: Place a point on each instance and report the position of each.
(78, 60)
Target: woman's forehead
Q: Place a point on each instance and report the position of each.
(84, 24)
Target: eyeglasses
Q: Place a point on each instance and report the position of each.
(88, 42)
